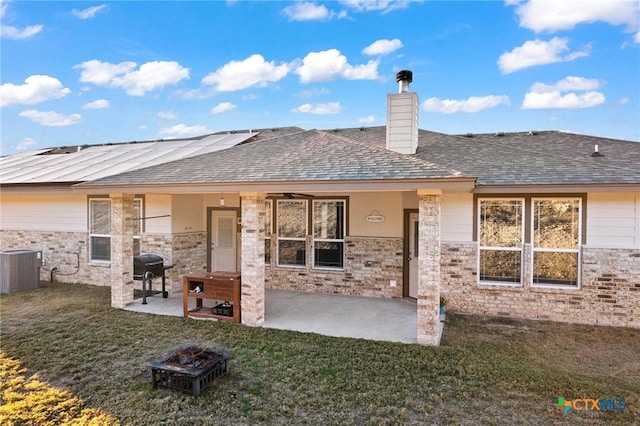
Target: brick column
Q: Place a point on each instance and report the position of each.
(252, 257)
(121, 250)
(428, 268)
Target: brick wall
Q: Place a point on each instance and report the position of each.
(370, 265)
(58, 250)
(609, 293)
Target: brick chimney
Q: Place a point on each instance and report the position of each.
(402, 116)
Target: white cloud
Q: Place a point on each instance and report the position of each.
(545, 96)
(167, 115)
(313, 92)
(25, 144)
(306, 11)
(538, 52)
(20, 34)
(36, 88)
(222, 107)
(16, 33)
(88, 12)
(150, 76)
(636, 37)
(374, 5)
(547, 15)
(331, 64)
(97, 104)
(51, 118)
(183, 130)
(319, 109)
(472, 104)
(382, 47)
(367, 120)
(238, 75)
(624, 101)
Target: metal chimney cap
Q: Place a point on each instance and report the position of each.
(404, 75)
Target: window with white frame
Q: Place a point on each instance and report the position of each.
(268, 207)
(292, 232)
(500, 240)
(556, 239)
(328, 233)
(100, 228)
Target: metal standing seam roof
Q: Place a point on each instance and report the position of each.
(311, 156)
(98, 161)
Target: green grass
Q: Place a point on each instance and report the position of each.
(72, 346)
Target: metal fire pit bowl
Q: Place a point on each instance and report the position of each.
(189, 368)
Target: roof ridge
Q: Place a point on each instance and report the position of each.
(411, 157)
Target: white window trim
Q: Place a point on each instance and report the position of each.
(92, 235)
(279, 238)
(577, 250)
(519, 249)
(330, 240)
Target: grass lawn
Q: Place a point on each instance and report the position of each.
(67, 357)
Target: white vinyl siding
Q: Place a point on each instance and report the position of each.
(55, 213)
(456, 217)
(613, 220)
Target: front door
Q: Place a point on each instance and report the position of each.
(223, 240)
(413, 255)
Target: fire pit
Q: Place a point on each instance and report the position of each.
(189, 368)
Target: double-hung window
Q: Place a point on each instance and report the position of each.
(292, 232)
(328, 233)
(100, 228)
(501, 237)
(556, 241)
(268, 207)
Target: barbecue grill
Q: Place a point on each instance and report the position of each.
(146, 267)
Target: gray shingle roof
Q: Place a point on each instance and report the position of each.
(309, 156)
(524, 158)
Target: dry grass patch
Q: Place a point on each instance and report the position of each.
(488, 371)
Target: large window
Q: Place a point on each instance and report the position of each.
(501, 236)
(321, 223)
(292, 232)
(551, 225)
(556, 241)
(100, 228)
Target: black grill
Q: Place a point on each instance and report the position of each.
(147, 267)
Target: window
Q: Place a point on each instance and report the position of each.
(100, 230)
(318, 225)
(556, 241)
(292, 232)
(268, 216)
(328, 233)
(500, 237)
(137, 225)
(551, 225)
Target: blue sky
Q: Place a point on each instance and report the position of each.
(96, 72)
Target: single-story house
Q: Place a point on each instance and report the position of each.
(537, 224)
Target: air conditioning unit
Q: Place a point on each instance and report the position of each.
(19, 270)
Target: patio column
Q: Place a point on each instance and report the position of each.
(121, 250)
(429, 267)
(252, 257)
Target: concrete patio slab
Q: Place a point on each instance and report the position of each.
(390, 320)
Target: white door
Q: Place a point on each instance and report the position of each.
(413, 255)
(223, 240)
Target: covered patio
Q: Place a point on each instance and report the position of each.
(391, 320)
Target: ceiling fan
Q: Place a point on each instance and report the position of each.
(289, 195)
